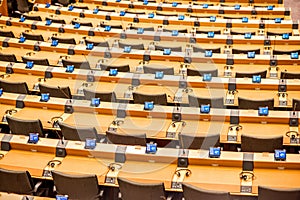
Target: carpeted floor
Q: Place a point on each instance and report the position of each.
(295, 5)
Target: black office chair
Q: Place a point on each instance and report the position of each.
(8, 57)
(263, 74)
(103, 25)
(116, 138)
(64, 40)
(198, 142)
(135, 12)
(104, 96)
(269, 33)
(76, 186)
(241, 33)
(36, 37)
(147, 191)
(7, 34)
(267, 193)
(14, 87)
(98, 44)
(77, 64)
(120, 68)
(36, 61)
(151, 70)
(179, 30)
(196, 72)
(232, 17)
(255, 104)
(199, 49)
(24, 127)
(282, 52)
(191, 192)
(145, 28)
(244, 51)
(195, 101)
(133, 46)
(289, 75)
(106, 10)
(88, 24)
(59, 92)
(18, 182)
(140, 98)
(296, 104)
(161, 48)
(33, 17)
(82, 7)
(58, 21)
(251, 143)
(199, 31)
(78, 133)
(158, 13)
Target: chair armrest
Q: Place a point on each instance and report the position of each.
(37, 185)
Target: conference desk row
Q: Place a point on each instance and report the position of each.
(210, 173)
(146, 55)
(128, 17)
(183, 9)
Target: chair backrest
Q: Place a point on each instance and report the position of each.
(7, 34)
(54, 20)
(179, 31)
(77, 64)
(296, 104)
(64, 40)
(22, 6)
(191, 192)
(133, 46)
(120, 68)
(240, 33)
(263, 74)
(97, 44)
(116, 138)
(36, 61)
(289, 75)
(250, 143)
(267, 193)
(104, 96)
(199, 142)
(160, 99)
(18, 182)
(132, 190)
(255, 104)
(201, 31)
(145, 28)
(282, 52)
(195, 101)
(158, 13)
(88, 24)
(161, 48)
(36, 37)
(135, 12)
(148, 69)
(269, 33)
(199, 49)
(8, 57)
(59, 92)
(115, 26)
(24, 127)
(78, 133)
(196, 72)
(245, 51)
(76, 186)
(14, 87)
(33, 17)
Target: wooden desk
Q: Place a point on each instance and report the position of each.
(6, 196)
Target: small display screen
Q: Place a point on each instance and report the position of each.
(1, 92)
(214, 152)
(208, 53)
(95, 102)
(159, 75)
(174, 32)
(70, 68)
(204, 108)
(251, 54)
(90, 143)
(45, 97)
(89, 46)
(122, 13)
(285, 36)
(256, 79)
(167, 51)
(280, 154)
(207, 77)
(145, 2)
(151, 15)
(140, 31)
(71, 8)
(244, 19)
(270, 7)
(95, 11)
(148, 105)
(127, 49)
(47, 5)
(277, 20)
(48, 22)
(151, 148)
(62, 197)
(237, 7)
(22, 39)
(248, 36)
(77, 25)
(174, 4)
(211, 34)
(113, 72)
(181, 17)
(54, 43)
(29, 64)
(107, 28)
(263, 111)
(212, 19)
(33, 138)
(294, 55)
(205, 5)
(22, 19)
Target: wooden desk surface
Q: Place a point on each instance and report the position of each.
(10, 196)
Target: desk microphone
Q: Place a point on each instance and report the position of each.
(294, 108)
(61, 138)
(64, 93)
(173, 99)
